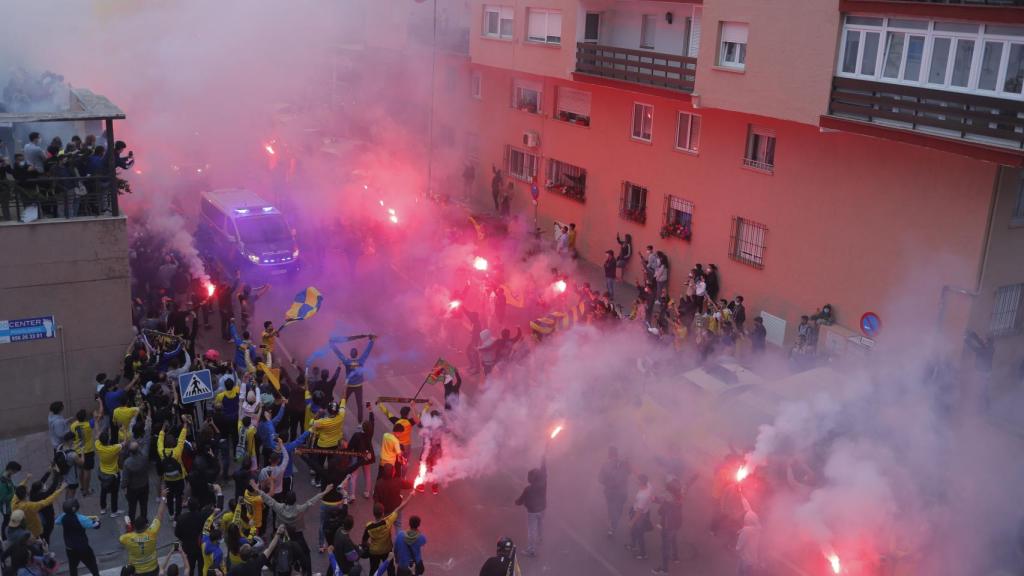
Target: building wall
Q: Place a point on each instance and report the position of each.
(863, 224)
(77, 271)
(791, 54)
(622, 23)
(517, 53)
(1004, 266)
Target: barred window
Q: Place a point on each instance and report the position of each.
(633, 203)
(520, 164)
(678, 218)
(567, 180)
(1006, 312)
(747, 242)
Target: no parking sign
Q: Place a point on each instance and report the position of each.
(870, 324)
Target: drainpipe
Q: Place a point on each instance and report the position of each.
(983, 265)
(64, 365)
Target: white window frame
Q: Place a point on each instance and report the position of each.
(981, 37)
(520, 88)
(574, 113)
(552, 19)
(476, 85)
(732, 53)
(600, 19)
(648, 37)
(678, 204)
(688, 132)
(760, 149)
(1007, 310)
(646, 123)
(521, 164)
(504, 14)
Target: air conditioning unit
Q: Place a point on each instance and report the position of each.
(531, 139)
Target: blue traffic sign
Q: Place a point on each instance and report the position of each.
(870, 324)
(195, 386)
(534, 191)
(26, 329)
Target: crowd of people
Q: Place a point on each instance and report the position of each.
(60, 180)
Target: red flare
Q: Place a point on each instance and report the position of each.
(422, 476)
(556, 431)
(833, 560)
(454, 304)
(210, 289)
(480, 263)
(560, 286)
(269, 149)
(742, 473)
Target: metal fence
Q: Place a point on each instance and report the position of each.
(59, 197)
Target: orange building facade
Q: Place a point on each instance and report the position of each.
(859, 153)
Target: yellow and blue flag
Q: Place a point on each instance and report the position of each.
(306, 304)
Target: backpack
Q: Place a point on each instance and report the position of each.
(283, 559)
(168, 465)
(60, 460)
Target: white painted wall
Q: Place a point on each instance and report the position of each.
(622, 21)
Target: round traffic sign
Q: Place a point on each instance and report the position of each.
(534, 191)
(870, 324)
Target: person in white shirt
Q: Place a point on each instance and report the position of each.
(640, 518)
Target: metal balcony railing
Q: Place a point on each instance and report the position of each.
(996, 3)
(637, 66)
(979, 119)
(58, 197)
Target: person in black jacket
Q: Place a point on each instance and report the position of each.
(76, 543)
(535, 499)
(362, 441)
(188, 528)
(739, 313)
(711, 282)
(758, 335)
(670, 520)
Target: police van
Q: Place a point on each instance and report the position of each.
(244, 232)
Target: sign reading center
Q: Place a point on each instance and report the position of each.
(195, 386)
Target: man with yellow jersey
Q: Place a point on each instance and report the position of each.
(140, 541)
(85, 445)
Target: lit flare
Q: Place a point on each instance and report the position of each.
(561, 286)
(210, 289)
(480, 263)
(454, 304)
(393, 218)
(269, 149)
(742, 473)
(421, 477)
(833, 560)
(556, 431)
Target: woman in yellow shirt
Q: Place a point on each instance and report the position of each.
(85, 445)
(110, 471)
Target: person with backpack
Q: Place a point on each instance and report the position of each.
(76, 542)
(67, 462)
(670, 520)
(170, 465)
(409, 547)
(344, 550)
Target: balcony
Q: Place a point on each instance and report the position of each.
(667, 71)
(980, 126)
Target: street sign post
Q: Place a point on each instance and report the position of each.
(870, 324)
(195, 386)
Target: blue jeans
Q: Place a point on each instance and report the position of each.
(609, 286)
(325, 510)
(534, 531)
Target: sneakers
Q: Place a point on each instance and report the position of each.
(421, 488)
(435, 489)
(103, 511)
(115, 514)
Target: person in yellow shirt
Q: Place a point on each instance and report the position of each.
(253, 506)
(407, 421)
(172, 467)
(109, 454)
(245, 450)
(268, 340)
(329, 430)
(213, 554)
(31, 508)
(391, 458)
(140, 541)
(85, 445)
(122, 418)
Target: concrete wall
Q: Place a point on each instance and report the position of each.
(864, 224)
(518, 54)
(791, 52)
(77, 271)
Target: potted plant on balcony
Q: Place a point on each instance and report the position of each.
(563, 116)
(676, 230)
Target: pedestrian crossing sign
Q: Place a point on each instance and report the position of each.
(195, 386)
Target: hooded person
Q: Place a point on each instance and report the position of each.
(535, 499)
(409, 547)
(748, 543)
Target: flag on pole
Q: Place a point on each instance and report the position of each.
(306, 304)
(442, 369)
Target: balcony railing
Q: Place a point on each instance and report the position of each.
(998, 3)
(980, 119)
(59, 197)
(637, 66)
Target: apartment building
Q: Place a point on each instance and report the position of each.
(861, 153)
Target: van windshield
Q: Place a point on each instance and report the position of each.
(267, 229)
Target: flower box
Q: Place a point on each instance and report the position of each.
(676, 231)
